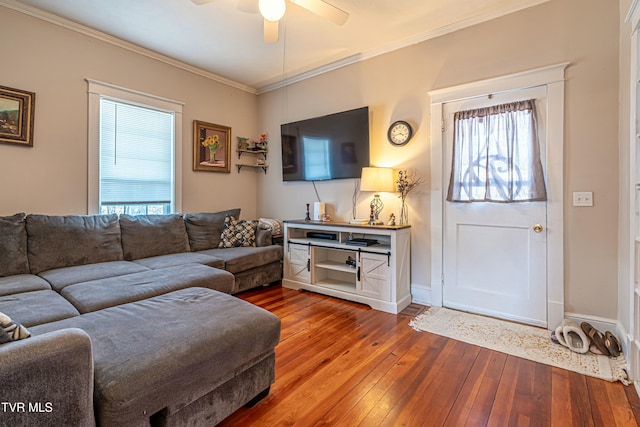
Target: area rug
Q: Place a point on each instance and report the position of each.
(519, 340)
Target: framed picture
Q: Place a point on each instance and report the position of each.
(211, 147)
(16, 116)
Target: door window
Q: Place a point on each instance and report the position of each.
(496, 155)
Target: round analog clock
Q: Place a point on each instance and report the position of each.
(399, 133)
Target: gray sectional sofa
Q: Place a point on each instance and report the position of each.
(131, 320)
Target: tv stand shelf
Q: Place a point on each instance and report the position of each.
(378, 275)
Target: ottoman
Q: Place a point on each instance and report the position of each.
(166, 360)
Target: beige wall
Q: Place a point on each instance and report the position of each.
(395, 86)
(51, 176)
(53, 62)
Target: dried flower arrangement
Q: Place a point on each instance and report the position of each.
(406, 183)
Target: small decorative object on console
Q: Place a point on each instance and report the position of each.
(392, 220)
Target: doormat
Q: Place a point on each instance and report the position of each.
(527, 342)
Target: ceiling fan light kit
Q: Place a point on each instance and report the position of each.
(272, 10)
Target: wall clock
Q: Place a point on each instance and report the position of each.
(399, 133)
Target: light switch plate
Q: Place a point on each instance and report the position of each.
(583, 198)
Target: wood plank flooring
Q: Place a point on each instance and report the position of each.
(343, 364)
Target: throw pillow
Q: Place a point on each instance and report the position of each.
(238, 232)
(11, 331)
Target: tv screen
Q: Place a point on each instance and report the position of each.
(328, 147)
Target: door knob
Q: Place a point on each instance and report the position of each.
(537, 228)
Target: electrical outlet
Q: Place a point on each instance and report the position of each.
(583, 198)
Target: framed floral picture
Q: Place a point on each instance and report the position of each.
(16, 116)
(211, 147)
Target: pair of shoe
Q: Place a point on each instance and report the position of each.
(570, 335)
(607, 343)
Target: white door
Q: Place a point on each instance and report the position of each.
(495, 253)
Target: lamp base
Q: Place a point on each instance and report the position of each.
(375, 222)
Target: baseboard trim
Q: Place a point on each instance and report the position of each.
(420, 295)
(600, 323)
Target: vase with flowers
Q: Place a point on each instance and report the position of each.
(406, 183)
(212, 143)
(262, 143)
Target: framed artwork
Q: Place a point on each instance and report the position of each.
(16, 116)
(211, 147)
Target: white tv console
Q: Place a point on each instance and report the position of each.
(378, 276)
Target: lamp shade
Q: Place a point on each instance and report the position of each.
(272, 10)
(377, 179)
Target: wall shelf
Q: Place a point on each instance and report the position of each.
(262, 153)
(263, 167)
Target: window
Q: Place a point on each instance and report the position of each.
(496, 155)
(134, 160)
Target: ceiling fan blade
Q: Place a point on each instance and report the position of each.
(201, 2)
(321, 8)
(270, 31)
(248, 6)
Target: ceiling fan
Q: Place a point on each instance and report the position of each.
(273, 11)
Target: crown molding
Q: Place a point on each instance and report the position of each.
(280, 82)
(99, 35)
(478, 19)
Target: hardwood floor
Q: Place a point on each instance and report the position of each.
(343, 364)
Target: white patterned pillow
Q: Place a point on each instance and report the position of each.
(238, 232)
(11, 331)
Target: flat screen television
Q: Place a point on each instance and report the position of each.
(335, 146)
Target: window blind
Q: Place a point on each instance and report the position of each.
(136, 154)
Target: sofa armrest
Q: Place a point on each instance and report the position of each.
(47, 380)
(263, 237)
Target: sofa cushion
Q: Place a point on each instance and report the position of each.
(108, 292)
(145, 236)
(155, 353)
(35, 308)
(238, 232)
(64, 241)
(22, 283)
(58, 278)
(237, 260)
(204, 229)
(163, 261)
(13, 245)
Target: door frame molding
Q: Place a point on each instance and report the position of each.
(553, 78)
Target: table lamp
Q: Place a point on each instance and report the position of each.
(376, 179)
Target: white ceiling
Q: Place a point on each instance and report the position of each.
(225, 37)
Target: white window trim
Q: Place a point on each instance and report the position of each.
(553, 78)
(97, 90)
